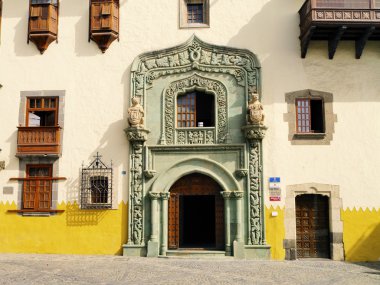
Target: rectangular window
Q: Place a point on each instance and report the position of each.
(310, 116)
(42, 112)
(186, 112)
(37, 187)
(195, 13)
(99, 189)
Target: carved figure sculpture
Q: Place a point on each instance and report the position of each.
(255, 111)
(136, 114)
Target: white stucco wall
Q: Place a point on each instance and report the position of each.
(97, 89)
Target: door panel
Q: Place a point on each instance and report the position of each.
(173, 222)
(312, 225)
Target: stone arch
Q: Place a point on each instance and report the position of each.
(195, 165)
(335, 222)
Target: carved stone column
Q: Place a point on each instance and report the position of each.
(137, 138)
(164, 238)
(227, 220)
(254, 135)
(153, 248)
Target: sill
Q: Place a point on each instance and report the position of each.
(36, 213)
(194, 25)
(310, 135)
(97, 206)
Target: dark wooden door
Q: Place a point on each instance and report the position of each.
(194, 185)
(312, 226)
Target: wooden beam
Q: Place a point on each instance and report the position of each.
(305, 40)
(334, 40)
(362, 40)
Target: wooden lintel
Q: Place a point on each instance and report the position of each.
(305, 40)
(36, 178)
(360, 42)
(334, 40)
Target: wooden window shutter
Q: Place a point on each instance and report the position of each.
(106, 9)
(35, 12)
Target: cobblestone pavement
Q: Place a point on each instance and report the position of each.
(77, 269)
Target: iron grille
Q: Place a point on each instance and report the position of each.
(96, 192)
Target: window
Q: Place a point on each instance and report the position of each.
(37, 187)
(96, 192)
(194, 13)
(42, 112)
(195, 109)
(310, 116)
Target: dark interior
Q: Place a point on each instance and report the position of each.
(317, 124)
(205, 109)
(197, 219)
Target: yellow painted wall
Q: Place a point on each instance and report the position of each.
(74, 231)
(275, 232)
(361, 234)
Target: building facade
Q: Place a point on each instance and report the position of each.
(190, 127)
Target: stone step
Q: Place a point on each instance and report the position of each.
(183, 253)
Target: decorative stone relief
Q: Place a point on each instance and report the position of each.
(195, 55)
(137, 137)
(195, 136)
(136, 114)
(241, 173)
(254, 135)
(149, 173)
(255, 111)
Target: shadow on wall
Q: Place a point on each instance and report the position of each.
(362, 235)
(12, 140)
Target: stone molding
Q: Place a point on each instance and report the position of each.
(336, 224)
(329, 118)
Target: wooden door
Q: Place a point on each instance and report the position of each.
(173, 221)
(312, 226)
(194, 185)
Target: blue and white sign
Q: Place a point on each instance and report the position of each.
(274, 182)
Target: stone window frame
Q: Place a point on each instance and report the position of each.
(329, 118)
(183, 24)
(335, 220)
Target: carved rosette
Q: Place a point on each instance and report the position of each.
(254, 135)
(137, 138)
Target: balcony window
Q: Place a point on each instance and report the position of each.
(42, 112)
(195, 109)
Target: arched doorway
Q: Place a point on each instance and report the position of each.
(312, 226)
(196, 214)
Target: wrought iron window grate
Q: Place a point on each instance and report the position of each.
(96, 190)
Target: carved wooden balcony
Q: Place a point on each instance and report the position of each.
(335, 20)
(104, 22)
(43, 23)
(39, 141)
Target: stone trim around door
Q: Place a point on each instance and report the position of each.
(335, 222)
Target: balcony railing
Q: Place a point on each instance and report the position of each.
(38, 141)
(336, 20)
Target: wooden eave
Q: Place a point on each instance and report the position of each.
(338, 24)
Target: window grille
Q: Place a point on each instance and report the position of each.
(96, 191)
(195, 13)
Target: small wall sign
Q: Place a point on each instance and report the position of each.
(274, 189)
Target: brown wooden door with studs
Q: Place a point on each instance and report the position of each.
(312, 226)
(196, 214)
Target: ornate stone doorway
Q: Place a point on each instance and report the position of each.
(196, 214)
(312, 223)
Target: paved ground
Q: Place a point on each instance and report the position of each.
(71, 269)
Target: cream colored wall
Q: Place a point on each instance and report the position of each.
(97, 89)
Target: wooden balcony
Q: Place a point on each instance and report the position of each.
(38, 141)
(335, 20)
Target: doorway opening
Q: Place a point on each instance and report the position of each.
(196, 214)
(312, 226)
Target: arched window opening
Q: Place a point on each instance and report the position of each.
(195, 109)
